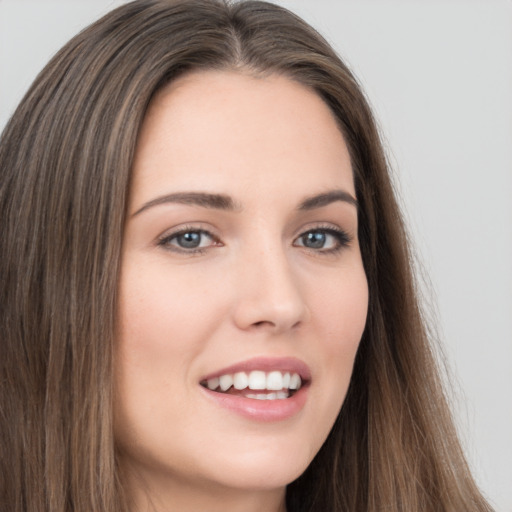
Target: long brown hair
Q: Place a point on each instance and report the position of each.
(65, 162)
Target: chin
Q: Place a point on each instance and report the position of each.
(262, 468)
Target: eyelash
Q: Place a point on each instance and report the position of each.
(342, 240)
(166, 240)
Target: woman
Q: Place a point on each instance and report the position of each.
(208, 295)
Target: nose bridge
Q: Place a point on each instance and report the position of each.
(270, 294)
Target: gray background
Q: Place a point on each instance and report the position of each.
(439, 75)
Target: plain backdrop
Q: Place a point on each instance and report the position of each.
(439, 76)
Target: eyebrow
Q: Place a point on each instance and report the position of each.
(226, 203)
(202, 199)
(320, 200)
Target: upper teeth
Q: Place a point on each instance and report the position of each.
(257, 379)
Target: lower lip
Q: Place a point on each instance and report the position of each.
(261, 410)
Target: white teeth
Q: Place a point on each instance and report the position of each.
(295, 381)
(257, 380)
(213, 383)
(225, 381)
(281, 395)
(240, 380)
(275, 381)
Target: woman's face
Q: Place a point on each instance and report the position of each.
(241, 267)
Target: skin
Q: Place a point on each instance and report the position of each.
(256, 288)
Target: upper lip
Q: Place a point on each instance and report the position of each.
(266, 364)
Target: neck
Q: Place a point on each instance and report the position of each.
(168, 494)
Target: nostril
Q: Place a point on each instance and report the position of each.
(271, 325)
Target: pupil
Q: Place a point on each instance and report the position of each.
(314, 240)
(189, 240)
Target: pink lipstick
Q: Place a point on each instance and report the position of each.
(262, 389)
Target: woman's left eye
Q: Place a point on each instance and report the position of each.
(323, 240)
(189, 240)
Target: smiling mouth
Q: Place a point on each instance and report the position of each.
(257, 384)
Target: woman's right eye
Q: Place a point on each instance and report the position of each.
(189, 241)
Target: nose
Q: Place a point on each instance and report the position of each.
(269, 294)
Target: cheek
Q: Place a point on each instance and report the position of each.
(340, 319)
(341, 308)
(163, 324)
(160, 312)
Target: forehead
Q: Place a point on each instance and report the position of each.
(228, 130)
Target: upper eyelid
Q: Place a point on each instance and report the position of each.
(342, 233)
(183, 231)
(185, 228)
(323, 226)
